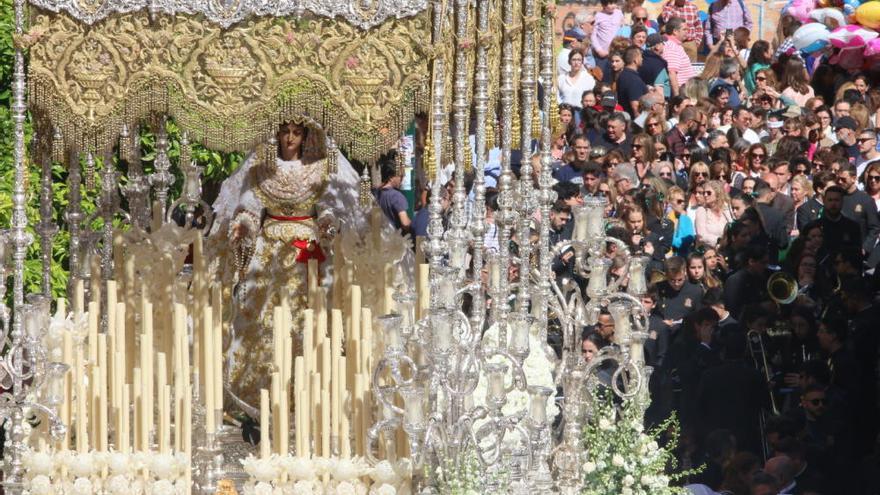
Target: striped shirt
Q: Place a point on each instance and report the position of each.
(678, 61)
(693, 27)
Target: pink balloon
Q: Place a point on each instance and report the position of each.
(851, 36)
(872, 48)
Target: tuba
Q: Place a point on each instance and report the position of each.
(782, 287)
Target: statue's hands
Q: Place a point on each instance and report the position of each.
(238, 232)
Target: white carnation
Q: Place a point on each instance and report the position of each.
(628, 480)
(81, 465)
(82, 486)
(162, 487)
(626, 491)
(617, 460)
(119, 463)
(40, 485)
(345, 488)
(345, 470)
(163, 466)
(298, 468)
(383, 489)
(118, 484)
(260, 469)
(38, 463)
(605, 424)
(383, 472)
(589, 467)
(262, 488)
(303, 488)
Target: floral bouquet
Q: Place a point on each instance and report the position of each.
(114, 473)
(623, 458)
(290, 475)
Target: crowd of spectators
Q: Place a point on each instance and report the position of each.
(728, 160)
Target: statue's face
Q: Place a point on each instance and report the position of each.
(290, 139)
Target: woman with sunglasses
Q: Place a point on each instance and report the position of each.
(756, 164)
(655, 124)
(760, 57)
(697, 177)
(801, 191)
(643, 156)
(684, 235)
(714, 215)
(871, 178)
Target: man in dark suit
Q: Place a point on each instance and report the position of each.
(858, 206)
(812, 207)
(748, 285)
(731, 396)
(838, 231)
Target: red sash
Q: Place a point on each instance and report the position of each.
(307, 249)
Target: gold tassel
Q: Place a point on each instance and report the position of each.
(515, 129)
(125, 144)
(490, 133)
(185, 151)
(399, 161)
(555, 123)
(366, 187)
(429, 161)
(57, 146)
(468, 154)
(536, 122)
(333, 158)
(90, 171)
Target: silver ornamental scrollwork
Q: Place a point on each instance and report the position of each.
(364, 14)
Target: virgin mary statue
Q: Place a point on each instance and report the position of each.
(272, 217)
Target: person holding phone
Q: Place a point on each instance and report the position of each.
(724, 17)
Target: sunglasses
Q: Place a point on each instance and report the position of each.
(665, 174)
(705, 193)
(643, 19)
(874, 178)
(678, 201)
(686, 156)
(700, 174)
(757, 155)
(864, 140)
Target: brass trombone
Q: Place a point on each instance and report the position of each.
(782, 287)
(758, 352)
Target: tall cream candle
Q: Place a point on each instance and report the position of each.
(187, 422)
(325, 423)
(265, 446)
(217, 341)
(67, 401)
(315, 414)
(121, 343)
(275, 403)
(79, 298)
(123, 432)
(358, 408)
(94, 406)
(367, 338)
(101, 444)
(298, 383)
(137, 400)
(335, 354)
(82, 444)
(165, 420)
(208, 371)
(389, 300)
(312, 280)
(339, 410)
(354, 330)
(111, 303)
(94, 315)
(162, 406)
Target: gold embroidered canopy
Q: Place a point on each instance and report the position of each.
(228, 87)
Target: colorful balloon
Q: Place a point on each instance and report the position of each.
(799, 9)
(851, 36)
(810, 37)
(868, 15)
(872, 49)
(833, 18)
(850, 6)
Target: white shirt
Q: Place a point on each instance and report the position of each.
(570, 91)
(751, 136)
(562, 65)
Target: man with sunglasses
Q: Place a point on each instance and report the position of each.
(639, 18)
(868, 154)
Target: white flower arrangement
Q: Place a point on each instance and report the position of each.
(467, 477)
(623, 459)
(537, 368)
(290, 475)
(115, 473)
